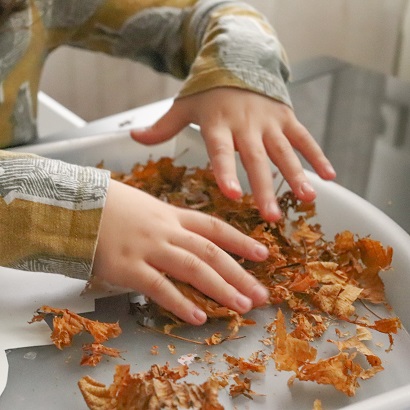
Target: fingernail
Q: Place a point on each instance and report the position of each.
(307, 189)
(261, 251)
(330, 170)
(273, 211)
(199, 315)
(244, 303)
(234, 186)
(260, 294)
(142, 129)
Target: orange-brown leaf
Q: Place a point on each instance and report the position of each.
(290, 353)
(374, 255)
(155, 388)
(245, 366)
(94, 352)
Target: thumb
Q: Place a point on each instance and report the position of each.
(165, 128)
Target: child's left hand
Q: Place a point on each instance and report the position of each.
(259, 128)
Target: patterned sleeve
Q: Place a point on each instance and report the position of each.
(211, 43)
(50, 214)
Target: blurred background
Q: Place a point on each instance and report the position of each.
(374, 34)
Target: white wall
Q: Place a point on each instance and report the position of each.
(365, 32)
(403, 66)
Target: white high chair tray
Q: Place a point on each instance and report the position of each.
(49, 381)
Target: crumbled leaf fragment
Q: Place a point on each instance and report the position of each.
(317, 405)
(243, 366)
(94, 352)
(155, 389)
(214, 339)
(242, 387)
(290, 353)
(67, 324)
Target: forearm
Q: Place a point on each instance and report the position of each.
(235, 46)
(212, 43)
(50, 214)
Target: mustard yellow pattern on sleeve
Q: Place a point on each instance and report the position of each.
(50, 214)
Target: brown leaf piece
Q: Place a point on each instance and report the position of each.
(94, 352)
(341, 371)
(243, 366)
(317, 405)
(67, 324)
(290, 353)
(242, 387)
(155, 389)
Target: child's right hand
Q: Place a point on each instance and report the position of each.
(261, 129)
(142, 237)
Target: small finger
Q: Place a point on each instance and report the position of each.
(189, 268)
(254, 158)
(156, 286)
(221, 151)
(224, 235)
(283, 155)
(225, 266)
(303, 141)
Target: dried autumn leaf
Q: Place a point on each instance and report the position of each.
(289, 353)
(374, 255)
(308, 326)
(389, 325)
(245, 366)
(242, 387)
(326, 272)
(154, 389)
(96, 395)
(94, 352)
(67, 324)
(344, 242)
(215, 339)
(337, 371)
(344, 303)
(65, 327)
(317, 405)
(355, 343)
(340, 371)
(209, 357)
(325, 299)
(172, 348)
(305, 233)
(302, 283)
(337, 299)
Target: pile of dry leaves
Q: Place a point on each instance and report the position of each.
(314, 281)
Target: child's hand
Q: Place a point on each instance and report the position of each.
(141, 236)
(259, 128)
